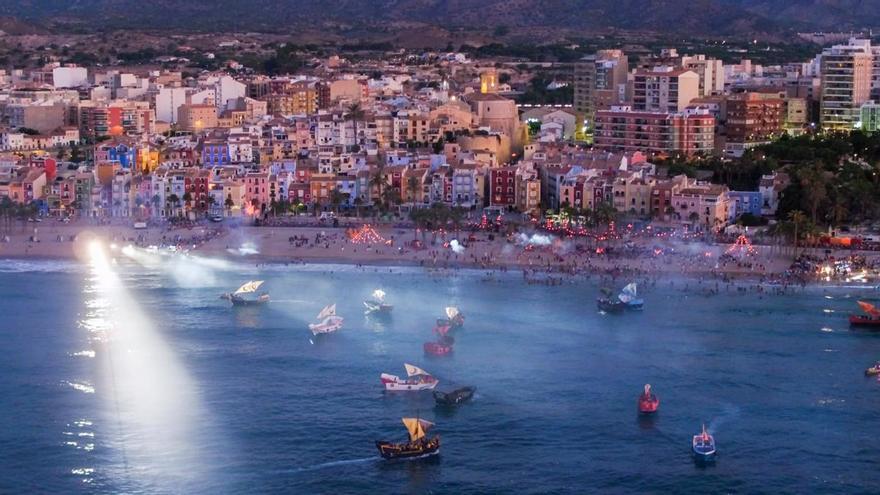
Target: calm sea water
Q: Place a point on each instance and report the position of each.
(132, 378)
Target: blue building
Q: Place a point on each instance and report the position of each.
(747, 202)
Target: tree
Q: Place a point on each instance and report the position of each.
(187, 198)
(798, 220)
(813, 182)
(336, 198)
(358, 202)
(412, 186)
(173, 200)
(229, 203)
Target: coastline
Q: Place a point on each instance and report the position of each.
(566, 259)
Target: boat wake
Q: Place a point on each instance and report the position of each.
(327, 465)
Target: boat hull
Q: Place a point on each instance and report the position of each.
(609, 306)
(703, 451)
(393, 383)
(648, 405)
(410, 450)
(240, 301)
(873, 371)
(864, 322)
(377, 308)
(455, 397)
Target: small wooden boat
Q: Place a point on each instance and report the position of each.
(454, 317)
(239, 297)
(873, 370)
(648, 402)
(610, 305)
(329, 321)
(704, 446)
(417, 379)
(419, 445)
(455, 397)
(377, 304)
(871, 318)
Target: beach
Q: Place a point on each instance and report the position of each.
(540, 256)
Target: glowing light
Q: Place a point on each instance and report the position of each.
(365, 235)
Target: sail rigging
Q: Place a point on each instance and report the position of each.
(417, 428)
(329, 310)
(249, 287)
(869, 308)
(629, 293)
(379, 295)
(414, 370)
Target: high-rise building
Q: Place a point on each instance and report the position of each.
(623, 129)
(600, 82)
(710, 72)
(847, 72)
(664, 89)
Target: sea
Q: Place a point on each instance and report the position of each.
(128, 374)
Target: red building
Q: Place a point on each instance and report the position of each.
(754, 118)
(197, 184)
(621, 129)
(502, 186)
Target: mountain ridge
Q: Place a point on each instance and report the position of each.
(685, 16)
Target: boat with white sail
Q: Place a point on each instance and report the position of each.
(377, 303)
(417, 379)
(328, 321)
(454, 319)
(243, 295)
(629, 296)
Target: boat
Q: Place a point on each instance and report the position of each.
(329, 321)
(437, 348)
(454, 318)
(704, 446)
(873, 370)
(609, 305)
(871, 318)
(417, 379)
(455, 397)
(240, 296)
(377, 304)
(419, 445)
(629, 297)
(648, 402)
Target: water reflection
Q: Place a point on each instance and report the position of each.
(150, 401)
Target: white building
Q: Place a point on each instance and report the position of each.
(70, 77)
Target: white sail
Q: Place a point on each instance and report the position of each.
(249, 287)
(327, 311)
(414, 370)
(628, 294)
(379, 295)
(451, 312)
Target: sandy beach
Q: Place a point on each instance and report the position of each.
(653, 257)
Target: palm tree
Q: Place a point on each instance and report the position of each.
(336, 199)
(377, 180)
(813, 181)
(156, 200)
(187, 198)
(173, 200)
(798, 220)
(229, 203)
(412, 186)
(358, 202)
(355, 112)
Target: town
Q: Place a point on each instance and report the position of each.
(376, 137)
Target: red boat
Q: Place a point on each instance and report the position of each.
(437, 348)
(871, 318)
(648, 402)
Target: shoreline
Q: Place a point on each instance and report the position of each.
(563, 260)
